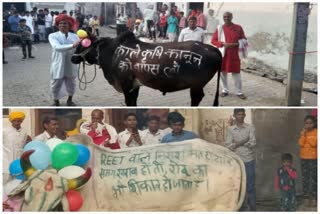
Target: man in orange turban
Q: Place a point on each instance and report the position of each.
(62, 72)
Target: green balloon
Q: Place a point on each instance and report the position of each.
(64, 154)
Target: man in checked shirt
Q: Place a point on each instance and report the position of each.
(241, 139)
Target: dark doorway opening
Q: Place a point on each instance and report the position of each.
(196, 5)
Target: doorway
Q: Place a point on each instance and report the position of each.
(196, 5)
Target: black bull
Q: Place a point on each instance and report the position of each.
(128, 63)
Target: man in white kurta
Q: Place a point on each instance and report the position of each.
(14, 139)
(62, 72)
(212, 24)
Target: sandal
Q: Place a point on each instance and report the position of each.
(241, 96)
(224, 94)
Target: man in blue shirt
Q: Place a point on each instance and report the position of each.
(14, 21)
(176, 121)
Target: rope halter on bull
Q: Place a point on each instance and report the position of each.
(84, 75)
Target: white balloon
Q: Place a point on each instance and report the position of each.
(70, 172)
(11, 185)
(53, 142)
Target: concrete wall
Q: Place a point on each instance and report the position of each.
(269, 40)
(92, 8)
(212, 124)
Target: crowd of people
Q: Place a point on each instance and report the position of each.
(174, 25)
(29, 27)
(167, 24)
(240, 138)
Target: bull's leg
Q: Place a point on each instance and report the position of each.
(131, 96)
(196, 96)
(134, 96)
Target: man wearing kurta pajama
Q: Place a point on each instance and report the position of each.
(62, 72)
(226, 38)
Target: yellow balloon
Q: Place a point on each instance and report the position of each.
(82, 34)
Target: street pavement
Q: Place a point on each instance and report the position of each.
(26, 83)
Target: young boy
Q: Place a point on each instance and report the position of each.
(152, 135)
(162, 25)
(285, 182)
(26, 38)
(176, 121)
(130, 137)
(182, 22)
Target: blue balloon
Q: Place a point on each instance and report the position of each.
(41, 158)
(84, 155)
(16, 170)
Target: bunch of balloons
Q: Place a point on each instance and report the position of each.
(66, 157)
(85, 42)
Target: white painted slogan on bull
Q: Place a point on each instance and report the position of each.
(187, 56)
(190, 175)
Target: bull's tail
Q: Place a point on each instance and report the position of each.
(216, 98)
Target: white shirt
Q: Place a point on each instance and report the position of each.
(124, 136)
(122, 20)
(149, 14)
(13, 142)
(54, 20)
(61, 65)
(48, 22)
(212, 24)
(44, 137)
(167, 131)
(86, 127)
(148, 138)
(191, 35)
(29, 22)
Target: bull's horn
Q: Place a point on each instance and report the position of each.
(26, 165)
(80, 181)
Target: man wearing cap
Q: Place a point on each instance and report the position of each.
(14, 139)
(62, 72)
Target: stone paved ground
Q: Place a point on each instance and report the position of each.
(26, 83)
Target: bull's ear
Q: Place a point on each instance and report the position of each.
(125, 36)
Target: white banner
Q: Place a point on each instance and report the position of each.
(192, 175)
